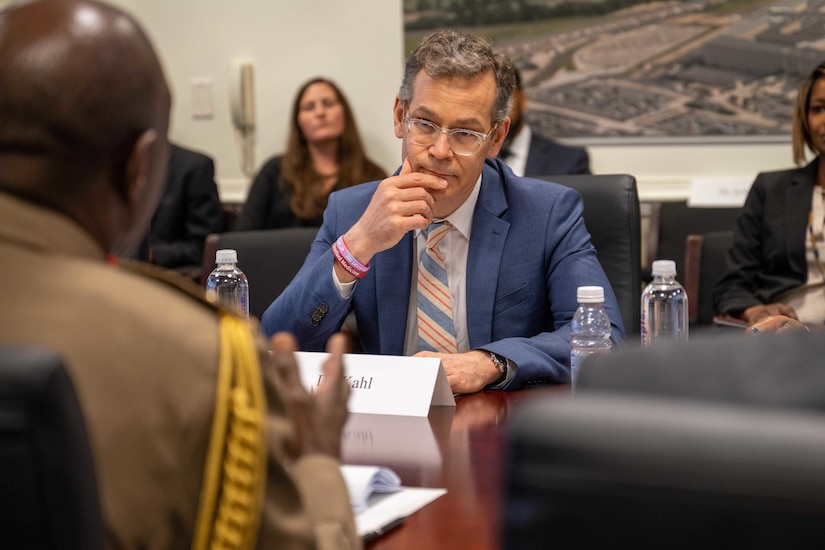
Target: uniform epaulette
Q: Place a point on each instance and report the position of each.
(234, 477)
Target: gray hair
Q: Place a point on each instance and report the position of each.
(451, 53)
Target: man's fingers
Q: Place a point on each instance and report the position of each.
(333, 367)
(408, 178)
(338, 344)
(283, 341)
(406, 167)
(283, 346)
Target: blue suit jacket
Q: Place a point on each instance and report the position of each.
(529, 252)
(547, 157)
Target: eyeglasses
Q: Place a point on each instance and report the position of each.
(462, 141)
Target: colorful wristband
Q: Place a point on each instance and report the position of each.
(342, 247)
(357, 270)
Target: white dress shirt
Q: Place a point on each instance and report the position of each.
(519, 148)
(809, 300)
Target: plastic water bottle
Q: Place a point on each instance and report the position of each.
(664, 306)
(227, 285)
(589, 329)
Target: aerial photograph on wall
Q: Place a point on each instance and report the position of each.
(635, 69)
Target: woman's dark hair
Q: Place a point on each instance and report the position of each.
(801, 130)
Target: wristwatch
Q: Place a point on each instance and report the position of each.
(501, 363)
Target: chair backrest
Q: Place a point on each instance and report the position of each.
(269, 259)
(705, 263)
(682, 446)
(672, 222)
(611, 213)
(48, 487)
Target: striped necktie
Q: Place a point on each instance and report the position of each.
(436, 331)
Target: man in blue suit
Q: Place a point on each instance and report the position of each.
(529, 154)
(516, 251)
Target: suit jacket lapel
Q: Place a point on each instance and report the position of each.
(487, 240)
(797, 208)
(393, 277)
(535, 158)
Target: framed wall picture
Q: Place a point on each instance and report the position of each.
(629, 70)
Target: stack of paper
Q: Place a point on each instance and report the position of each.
(379, 502)
(364, 481)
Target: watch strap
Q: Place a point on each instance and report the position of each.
(500, 362)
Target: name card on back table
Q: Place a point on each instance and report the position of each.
(719, 192)
(384, 384)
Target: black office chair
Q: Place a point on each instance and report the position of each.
(705, 263)
(671, 223)
(611, 213)
(269, 259)
(683, 446)
(48, 488)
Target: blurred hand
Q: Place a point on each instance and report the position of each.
(318, 417)
(775, 324)
(466, 372)
(754, 314)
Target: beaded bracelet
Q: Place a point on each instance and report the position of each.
(347, 260)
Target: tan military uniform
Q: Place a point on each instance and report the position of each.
(144, 358)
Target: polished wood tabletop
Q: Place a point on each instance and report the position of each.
(467, 457)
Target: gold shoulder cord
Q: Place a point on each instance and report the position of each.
(235, 474)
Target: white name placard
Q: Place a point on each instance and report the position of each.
(719, 192)
(385, 384)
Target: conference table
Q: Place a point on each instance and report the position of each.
(461, 449)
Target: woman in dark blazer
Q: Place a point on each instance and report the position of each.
(774, 264)
(324, 153)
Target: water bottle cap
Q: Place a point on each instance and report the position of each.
(590, 294)
(663, 267)
(226, 256)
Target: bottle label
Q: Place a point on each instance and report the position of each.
(243, 304)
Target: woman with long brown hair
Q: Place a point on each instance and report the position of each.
(324, 153)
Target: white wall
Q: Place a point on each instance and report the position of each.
(357, 43)
(664, 172)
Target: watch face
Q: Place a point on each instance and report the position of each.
(500, 362)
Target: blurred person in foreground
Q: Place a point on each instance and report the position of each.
(776, 261)
(490, 286)
(324, 153)
(529, 154)
(162, 376)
